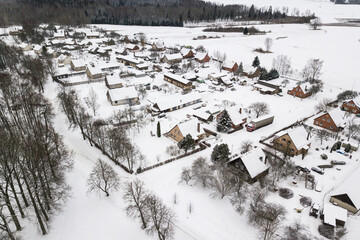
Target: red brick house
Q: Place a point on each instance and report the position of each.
(351, 106)
(230, 66)
(187, 53)
(331, 120)
(300, 91)
(202, 57)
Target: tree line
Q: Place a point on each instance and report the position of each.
(33, 158)
(151, 13)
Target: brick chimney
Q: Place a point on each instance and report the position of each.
(198, 127)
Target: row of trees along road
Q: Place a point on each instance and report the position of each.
(33, 158)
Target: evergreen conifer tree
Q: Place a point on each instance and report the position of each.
(158, 130)
(224, 122)
(256, 62)
(246, 31)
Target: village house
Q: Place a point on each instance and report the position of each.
(334, 215)
(252, 165)
(158, 46)
(230, 66)
(191, 127)
(347, 195)
(226, 81)
(91, 35)
(38, 49)
(122, 96)
(178, 81)
(59, 35)
(351, 106)
(174, 102)
(332, 120)
(128, 60)
(121, 51)
(293, 141)
(204, 116)
(132, 47)
(113, 81)
(94, 72)
(216, 76)
(237, 117)
(26, 47)
(172, 58)
(202, 57)
(266, 88)
(187, 53)
(78, 65)
(300, 91)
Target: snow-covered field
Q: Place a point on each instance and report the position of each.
(326, 10)
(91, 217)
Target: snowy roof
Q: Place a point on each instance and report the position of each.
(263, 87)
(113, 79)
(200, 55)
(175, 100)
(185, 51)
(351, 188)
(217, 75)
(174, 56)
(229, 64)
(159, 44)
(142, 65)
(253, 161)
(93, 34)
(131, 46)
(23, 45)
(337, 116)
(37, 48)
(177, 78)
(190, 127)
(298, 136)
(202, 115)
(129, 59)
(142, 54)
(355, 100)
(78, 63)
(333, 213)
(59, 34)
(119, 94)
(95, 70)
(235, 115)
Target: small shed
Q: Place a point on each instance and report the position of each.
(334, 216)
(94, 72)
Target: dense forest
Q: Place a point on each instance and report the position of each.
(346, 1)
(134, 12)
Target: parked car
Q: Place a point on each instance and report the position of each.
(161, 115)
(314, 210)
(335, 162)
(304, 169)
(317, 170)
(324, 156)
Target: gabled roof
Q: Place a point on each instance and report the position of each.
(113, 79)
(190, 127)
(229, 64)
(253, 162)
(175, 100)
(177, 78)
(333, 213)
(118, 94)
(355, 100)
(338, 117)
(298, 136)
(95, 70)
(235, 115)
(185, 51)
(78, 63)
(175, 56)
(131, 46)
(200, 55)
(350, 187)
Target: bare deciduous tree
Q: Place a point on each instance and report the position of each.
(267, 217)
(161, 218)
(260, 108)
(135, 197)
(322, 135)
(246, 146)
(323, 105)
(296, 231)
(268, 44)
(222, 181)
(221, 58)
(103, 178)
(201, 171)
(312, 70)
(186, 175)
(353, 129)
(282, 64)
(92, 101)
